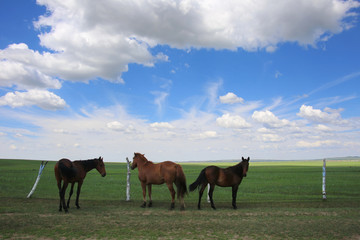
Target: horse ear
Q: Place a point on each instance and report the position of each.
(248, 159)
(242, 158)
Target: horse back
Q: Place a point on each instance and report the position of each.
(66, 169)
(158, 173)
(223, 177)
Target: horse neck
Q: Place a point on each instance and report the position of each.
(238, 168)
(141, 162)
(88, 165)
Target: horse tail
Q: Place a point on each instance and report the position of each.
(201, 180)
(180, 182)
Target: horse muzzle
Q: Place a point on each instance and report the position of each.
(103, 175)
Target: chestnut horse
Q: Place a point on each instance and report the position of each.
(164, 172)
(72, 172)
(223, 177)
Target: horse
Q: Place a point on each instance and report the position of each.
(158, 173)
(72, 172)
(223, 177)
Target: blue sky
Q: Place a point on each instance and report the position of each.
(179, 80)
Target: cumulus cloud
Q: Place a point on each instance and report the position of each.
(231, 98)
(42, 98)
(232, 121)
(119, 127)
(318, 116)
(25, 76)
(269, 119)
(98, 39)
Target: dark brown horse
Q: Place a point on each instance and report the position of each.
(164, 172)
(72, 172)
(223, 177)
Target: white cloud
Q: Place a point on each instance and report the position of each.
(204, 135)
(96, 39)
(119, 127)
(160, 98)
(323, 128)
(116, 126)
(317, 144)
(229, 121)
(42, 98)
(13, 147)
(24, 76)
(231, 98)
(271, 138)
(161, 125)
(269, 119)
(318, 116)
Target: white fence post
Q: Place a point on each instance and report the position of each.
(324, 180)
(42, 166)
(128, 180)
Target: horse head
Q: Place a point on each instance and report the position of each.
(100, 166)
(136, 158)
(245, 165)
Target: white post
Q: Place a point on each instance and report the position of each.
(324, 180)
(128, 180)
(208, 187)
(42, 166)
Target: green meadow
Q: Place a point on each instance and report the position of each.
(277, 200)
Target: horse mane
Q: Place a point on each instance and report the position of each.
(88, 164)
(142, 156)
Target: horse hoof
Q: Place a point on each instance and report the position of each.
(172, 206)
(143, 205)
(182, 208)
(234, 207)
(213, 207)
(150, 204)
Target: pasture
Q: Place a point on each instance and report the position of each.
(277, 200)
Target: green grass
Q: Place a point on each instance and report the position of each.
(278, 200)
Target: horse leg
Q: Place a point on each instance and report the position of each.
(149, 192)
(59, 187)
(211, 190)
(70, 194)
(62, 195)
(201, 191)
(78, 194)
(182, 203)
(143, 186)
(234, 193)
(172, 192)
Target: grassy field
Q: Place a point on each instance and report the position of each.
(278, 200)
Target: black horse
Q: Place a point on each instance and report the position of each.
(223, 177)
(72, 172)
